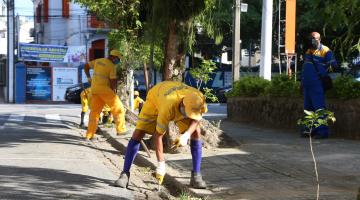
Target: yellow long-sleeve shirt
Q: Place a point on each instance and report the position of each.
(104, 70)
(166, 98)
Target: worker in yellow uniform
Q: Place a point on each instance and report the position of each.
(85, 97)
(107, 117)
(138, 101)
(103, 85)
(165, 102)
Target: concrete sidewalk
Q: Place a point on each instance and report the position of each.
(269, 164)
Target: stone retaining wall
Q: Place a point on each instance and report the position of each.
(284, 113)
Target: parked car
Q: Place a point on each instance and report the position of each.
(220, 93)
(72, 94)
(353, 70)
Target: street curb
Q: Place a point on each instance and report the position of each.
(170, 181)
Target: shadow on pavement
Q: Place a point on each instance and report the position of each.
(38, 130)
(42, 183)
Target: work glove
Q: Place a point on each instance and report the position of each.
(160, 172)
(182, 140)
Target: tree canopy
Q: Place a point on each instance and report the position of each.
(338, 21)
(170, 28)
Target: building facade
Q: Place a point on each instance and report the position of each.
(64, 23)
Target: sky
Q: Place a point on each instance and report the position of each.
(24, 7)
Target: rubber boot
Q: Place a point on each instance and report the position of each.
(196, 181)
(81, 125)
(123, 180)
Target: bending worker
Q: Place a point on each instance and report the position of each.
(103, 85)
(165, 102)
(318, 61)
(106, 118)
(85, 97)
(138, 101)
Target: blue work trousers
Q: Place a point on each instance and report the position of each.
(314, 99)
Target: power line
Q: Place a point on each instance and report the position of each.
(54, 9)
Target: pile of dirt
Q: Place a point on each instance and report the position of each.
(211, 135)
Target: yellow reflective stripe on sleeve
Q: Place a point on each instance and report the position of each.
(161, 126)
(101, 76)
(175, 89)
(146, 120)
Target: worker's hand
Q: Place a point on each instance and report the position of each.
(182, 140)
(160, 172)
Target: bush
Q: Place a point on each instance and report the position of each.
(283, 86)
(250, 86)
(345, 87)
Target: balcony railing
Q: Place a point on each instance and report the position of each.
(93, 22)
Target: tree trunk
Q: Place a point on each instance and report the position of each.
(146, 77)
(150, 68)
(170, 51)
(180, 63)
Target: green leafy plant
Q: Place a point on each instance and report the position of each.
(283, 86)
(209, 94)
(250, 86)
(311, 121)
(202, 75)
(203, 72)
(345, 87)
(186, 196)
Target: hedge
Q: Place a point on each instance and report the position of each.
(345, 87)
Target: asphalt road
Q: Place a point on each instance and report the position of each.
(216, 111)
(42, 157)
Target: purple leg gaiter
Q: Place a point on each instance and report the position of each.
(131, 151)
(196, 152)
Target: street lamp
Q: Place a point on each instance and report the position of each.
(87, 37)
(236, 41)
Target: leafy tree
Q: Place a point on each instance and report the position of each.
(174, 19)
(169, 20)
(216, 22)
(338, 21)
(124, 19)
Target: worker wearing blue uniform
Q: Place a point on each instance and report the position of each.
(318, 61)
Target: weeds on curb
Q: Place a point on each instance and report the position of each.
(186, 196)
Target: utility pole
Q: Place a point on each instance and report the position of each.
(266, 37)
(10, 75)
(236, 41)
